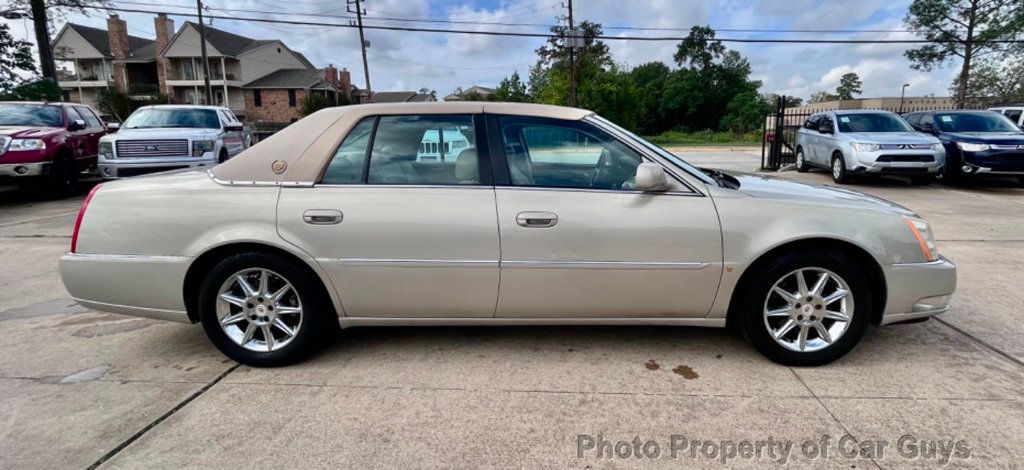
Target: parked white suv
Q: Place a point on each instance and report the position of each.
(168, 137)
(1014, 112)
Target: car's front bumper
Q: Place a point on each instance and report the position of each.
(114, 168)
(918, 290)
(143, 286)
(19, 170)
(995, 162)
(898, 161)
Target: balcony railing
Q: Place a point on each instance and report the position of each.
(144, 89)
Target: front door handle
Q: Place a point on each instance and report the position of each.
(322, 216)
(537, 219)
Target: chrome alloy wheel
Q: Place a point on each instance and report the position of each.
(259, 310)
(807, 316)
(837, 168)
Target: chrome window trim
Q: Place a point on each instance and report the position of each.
(604, 191)
(285, 184)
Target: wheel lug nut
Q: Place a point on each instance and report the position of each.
(797, 305)
(817, 307)
(810, 299)
(248, 305)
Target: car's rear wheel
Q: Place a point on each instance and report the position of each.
(263, 311)
(806, 309)
(63, 177)
(801, 163)
(839, 174)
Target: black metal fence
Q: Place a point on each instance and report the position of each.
(778, 145)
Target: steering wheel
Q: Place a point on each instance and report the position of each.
(603, 169)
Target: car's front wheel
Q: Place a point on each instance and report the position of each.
(839, 170)
(806, 308)
(263, 311)
(801, 163)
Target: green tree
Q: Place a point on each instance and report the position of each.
(511, 89)
(650, 79)
(994, 82)
(964, 26)
(849, 85)
(699, 49)
(745, 112)
(15, 60)
(34, 90)
(117, 105)
(822, 96)
(315, 101)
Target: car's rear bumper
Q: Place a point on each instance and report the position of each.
(144, 286)
(113, 169)
(918, 290)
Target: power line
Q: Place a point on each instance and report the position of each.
(548, 35)
(324, 14)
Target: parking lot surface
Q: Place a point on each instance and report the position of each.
(81, 388)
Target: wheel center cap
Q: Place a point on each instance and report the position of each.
(261, 310)
(807, 309)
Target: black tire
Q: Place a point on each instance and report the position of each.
(839, 175)
(922, 180)
(63, 178)
(1020, 180)
(223, 157)
(318, 318)
(755, 300)
(801, 162)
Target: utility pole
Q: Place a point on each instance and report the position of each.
(202, 51)
(46, 63)
(362, 45)
(903, 91)
(572, 59)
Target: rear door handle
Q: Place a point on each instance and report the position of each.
(322, 216)
(537, 219)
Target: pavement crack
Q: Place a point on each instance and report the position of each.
(830, 413)
(981, 342)
(134, 437)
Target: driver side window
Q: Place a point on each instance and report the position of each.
(565, 154)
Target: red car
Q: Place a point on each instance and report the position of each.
(48, 144)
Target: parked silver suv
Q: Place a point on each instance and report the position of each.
(853, 142)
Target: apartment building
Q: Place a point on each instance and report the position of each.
(172, 65)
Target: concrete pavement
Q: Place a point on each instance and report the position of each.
(78, 386)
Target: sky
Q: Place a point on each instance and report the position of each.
(442, 62)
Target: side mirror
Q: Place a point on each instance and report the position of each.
(112, 127)
(825, 129)
(232, 128)
(76, 125)
(651, 177)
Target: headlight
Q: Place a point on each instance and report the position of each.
(968, 147)
(106, 150)
(865, 147)
(199, 147)
(937, 146)
(923, 234)
(27, 144)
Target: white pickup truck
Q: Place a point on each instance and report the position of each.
(169, 137)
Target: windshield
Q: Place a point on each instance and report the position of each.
(679, 162)
(872, 122)
(172, 117)
(30, 115)
(974, 122)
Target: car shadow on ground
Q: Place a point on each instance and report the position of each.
(19, 195)
(988, 184)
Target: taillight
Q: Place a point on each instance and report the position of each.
(81, 214)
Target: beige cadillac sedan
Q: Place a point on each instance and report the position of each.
(495, 214)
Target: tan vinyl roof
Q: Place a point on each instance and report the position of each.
(300, 151)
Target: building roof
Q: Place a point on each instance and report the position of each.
(400, 97)
(97, 38)
(231, 44)
(289, 78)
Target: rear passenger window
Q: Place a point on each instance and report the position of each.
(346, 166)
(431, 150)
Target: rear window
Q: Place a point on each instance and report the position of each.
(173, 117)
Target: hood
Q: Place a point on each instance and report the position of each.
(892, 137)
(166, 133)
(23, 132)
(770, 187)
(987, 137)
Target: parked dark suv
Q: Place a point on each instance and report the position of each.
(977, 143)
(48, 144)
